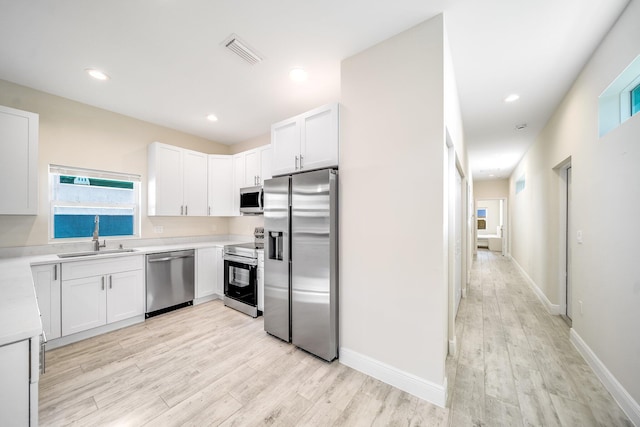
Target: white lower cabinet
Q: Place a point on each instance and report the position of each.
(220, 272)
(46, 279)
(15, 390)
(209, 268)
(113, 291)
(125, 295)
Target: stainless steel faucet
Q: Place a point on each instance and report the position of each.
(96, 235)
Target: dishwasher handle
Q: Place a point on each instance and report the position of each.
(169, 258)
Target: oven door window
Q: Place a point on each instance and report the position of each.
(240, 282)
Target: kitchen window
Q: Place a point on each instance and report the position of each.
(78, 195)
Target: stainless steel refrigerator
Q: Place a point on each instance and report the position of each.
(301, 260)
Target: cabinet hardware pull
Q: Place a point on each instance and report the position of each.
(185, 209)
(296, 162)
(257, 179)
(102, 280)
(209, 211)
(301, 158)
(110, 282)
(181, 210)
(55, 272)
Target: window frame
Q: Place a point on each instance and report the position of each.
(57, 170)
(626, 106)
(633, 93)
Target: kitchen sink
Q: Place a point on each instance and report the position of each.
(91, 253)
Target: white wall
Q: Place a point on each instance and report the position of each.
(75, 134)
(606, 202)
(393, 279)
(491, 189)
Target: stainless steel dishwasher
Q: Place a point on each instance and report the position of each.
(170, 281)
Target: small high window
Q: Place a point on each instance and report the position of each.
(78, 196)
(635, 100)
(620, 100)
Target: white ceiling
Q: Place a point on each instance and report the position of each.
(167, 64)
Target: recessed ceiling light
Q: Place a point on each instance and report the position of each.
(298, 75)
(212, 118)
(97, 74)
(512, 98)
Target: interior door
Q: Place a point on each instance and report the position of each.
(569, 311)
(458, 241)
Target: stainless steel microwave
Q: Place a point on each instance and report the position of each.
(251, 200)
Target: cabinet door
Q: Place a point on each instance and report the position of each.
(252, 168)
(319, 138)
(165, 180)
(195, 183)
(46, 279)
(18, 162)
(206, 272)
(238, 181)
(220, 185)
(14, 391)
(285, 143)
(220, 272)
(125, 295)
(265, 163)
(84, 304)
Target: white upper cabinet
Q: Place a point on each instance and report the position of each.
(266, 160)
(257, 166)
(252, 168)
(177, 181)
(307, 141)
(195, 183)
(220, 185)
(18, 162)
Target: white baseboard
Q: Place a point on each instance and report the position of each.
(419, 387)
(624, 399)
(553, 309)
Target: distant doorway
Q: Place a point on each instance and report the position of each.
(491, 223)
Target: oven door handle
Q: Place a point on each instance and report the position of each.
(240, 260)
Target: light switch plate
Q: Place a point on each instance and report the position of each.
(579, 236)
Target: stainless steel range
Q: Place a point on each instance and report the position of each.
(241, 275)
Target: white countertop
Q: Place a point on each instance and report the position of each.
(19, 315)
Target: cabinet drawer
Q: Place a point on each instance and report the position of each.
(97, 267)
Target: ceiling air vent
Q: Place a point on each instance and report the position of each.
(240, 48)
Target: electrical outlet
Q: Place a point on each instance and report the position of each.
(158, 229)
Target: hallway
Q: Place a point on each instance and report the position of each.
(515, 364)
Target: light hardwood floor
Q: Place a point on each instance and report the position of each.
(210, 365)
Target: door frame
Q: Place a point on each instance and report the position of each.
(452, 165)
(563, 236)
